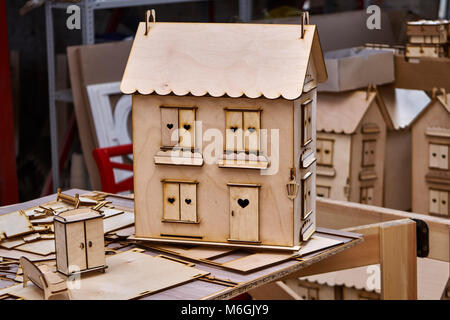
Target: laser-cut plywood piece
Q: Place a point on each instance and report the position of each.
(130, 275)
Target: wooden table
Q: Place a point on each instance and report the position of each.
(223, 283)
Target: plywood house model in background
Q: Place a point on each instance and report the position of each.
(351, 143)
(403, 106)
(427, 38)
(430, 138)
(236, 90)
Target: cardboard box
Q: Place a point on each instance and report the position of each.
(355, 68)
(344, 29)
(422, 74)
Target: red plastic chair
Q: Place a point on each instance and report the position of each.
(106, 168)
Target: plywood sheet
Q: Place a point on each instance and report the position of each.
(42, 247)
(14, 223)
(129, 275)
(109, 212)
(249, 262)
(195, 252)
(118, 222)
(11, 243)
(16, 254)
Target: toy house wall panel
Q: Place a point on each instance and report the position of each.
(402, 106)
(305, 163)
(350, 146)
(212, 190)
(397, 183)
(430, 136)
(367, 159)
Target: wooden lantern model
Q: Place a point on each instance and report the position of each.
(246, 91)
(79, 241)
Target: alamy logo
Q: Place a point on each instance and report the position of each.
(74, 280)
(374, 20)
(73, 22)
(373, 281)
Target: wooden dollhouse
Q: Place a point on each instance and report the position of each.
(427, 38)
(430, 138)
(224, 132)
(403, 106)
(351, 142)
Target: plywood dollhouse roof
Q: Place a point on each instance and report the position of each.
(342, 112)
(222, 59)
(441, 100)
(403, 105)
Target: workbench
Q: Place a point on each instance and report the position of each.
(221, 283)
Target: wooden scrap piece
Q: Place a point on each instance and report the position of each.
(48, 236)
(42, 247)
(110, 212)
(249, 262)
(130, 275)
(32, 237)
(118, 222)
(11, 243)
(125, 233)
(16, 254)
(14, 224)
(45, 220)
(256, 261)
(43, 228)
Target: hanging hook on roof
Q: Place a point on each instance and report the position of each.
(149, 13)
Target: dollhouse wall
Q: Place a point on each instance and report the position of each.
(368, 187)
(276, 211)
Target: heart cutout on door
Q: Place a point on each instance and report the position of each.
(251, 129)
(187, 127)
(170, 125)
(188, 201)
(234, 129)
(171, 200)
(243, 203)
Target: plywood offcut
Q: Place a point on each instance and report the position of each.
(129, 275)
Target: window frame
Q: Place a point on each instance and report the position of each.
(318, 154)
(180, 200)
(366, 188)
(439, 200)
(438, 166)
(243, 134)
(177, 145)
(363, 160)
(328, 188)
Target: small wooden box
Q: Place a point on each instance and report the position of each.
(431, 32)
(79, 241)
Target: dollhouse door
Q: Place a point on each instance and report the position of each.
(244, 217)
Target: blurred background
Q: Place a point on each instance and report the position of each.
(27, 36)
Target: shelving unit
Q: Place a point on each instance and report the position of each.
(88, 8)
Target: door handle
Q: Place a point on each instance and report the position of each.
(82, 246)
(232, 213)
(90, 244)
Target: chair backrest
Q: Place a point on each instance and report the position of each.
(33, 272)
(106, 168)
